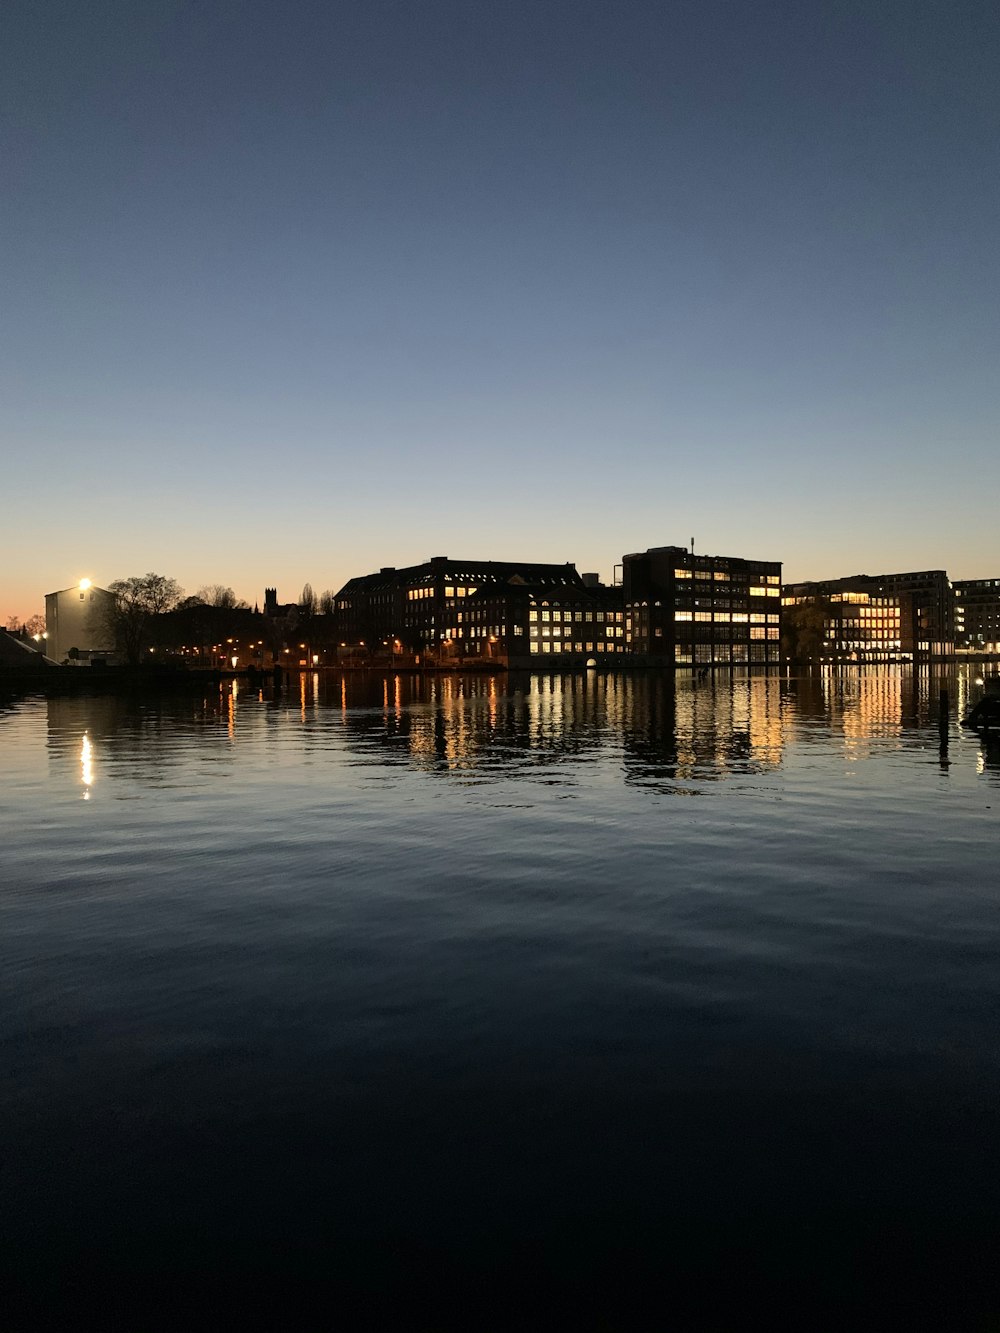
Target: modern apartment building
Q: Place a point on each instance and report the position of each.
(977, 614)
(884, 617)
(702, 610)
(861, 623)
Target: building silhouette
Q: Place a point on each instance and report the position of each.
(686, 610)
(519, 612)
(977, 614)
(884, 617)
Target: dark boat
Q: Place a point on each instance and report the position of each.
(985, 715)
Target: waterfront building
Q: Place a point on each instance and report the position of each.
(977, 615)
(884, 617)
(699, 610)
(861, 623)
(76, 623)
(517, 612)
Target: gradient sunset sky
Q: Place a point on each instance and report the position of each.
(299, 289)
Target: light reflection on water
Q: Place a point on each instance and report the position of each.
(422, 966)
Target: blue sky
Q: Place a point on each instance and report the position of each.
(292, 291)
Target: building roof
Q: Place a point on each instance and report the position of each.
(15, 652)
(489, 571)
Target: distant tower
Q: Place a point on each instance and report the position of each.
(270, 601)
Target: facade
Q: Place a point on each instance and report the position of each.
(74, 623)
(561, 624)
(977, 615)
(885, 617)
(490, 609)
(861, 623)
(691, 610)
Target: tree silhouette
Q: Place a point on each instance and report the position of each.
(128, 616)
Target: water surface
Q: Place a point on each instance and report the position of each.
(523, 997)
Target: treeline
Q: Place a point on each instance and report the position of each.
(149, 614)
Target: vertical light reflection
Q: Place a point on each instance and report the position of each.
(231, 712)
(86, 765)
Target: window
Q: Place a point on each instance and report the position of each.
(682, 615)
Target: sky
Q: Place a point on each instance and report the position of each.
(295, 290)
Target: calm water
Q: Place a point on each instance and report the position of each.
(521, 999)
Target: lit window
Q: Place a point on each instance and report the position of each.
(682, 615)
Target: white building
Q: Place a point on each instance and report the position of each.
(74, 618)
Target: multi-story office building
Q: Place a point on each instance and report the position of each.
(861, 623)
(511, 611)
(683, 609)
(75, 622)
(977, 614)
(926, 611)
(884, 617)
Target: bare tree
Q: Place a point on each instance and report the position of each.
(218, 595)
(307, 601)
(326, 603)
(33, 625)
(134, 605)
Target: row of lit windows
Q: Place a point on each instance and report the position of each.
(576, 616)
(723, 654)
(728, 617)
(547, 631)
(566, 646)
(721, 576)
